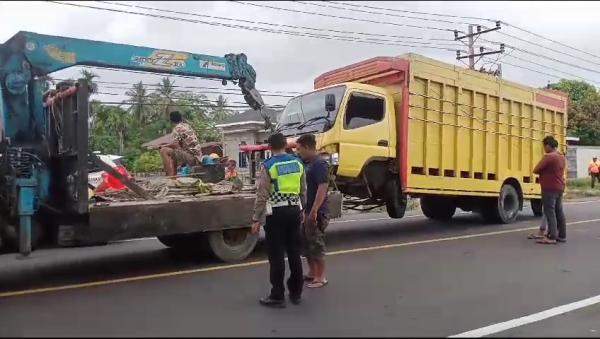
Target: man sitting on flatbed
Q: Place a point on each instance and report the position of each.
(185, 148)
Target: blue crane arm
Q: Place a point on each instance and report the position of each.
(47, 54)
(27, 55)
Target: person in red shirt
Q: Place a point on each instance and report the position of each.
(551, 170)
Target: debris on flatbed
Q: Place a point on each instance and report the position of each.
(174, 188)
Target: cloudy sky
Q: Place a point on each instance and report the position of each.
(290, 62)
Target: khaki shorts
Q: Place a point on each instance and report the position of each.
(314, 238)
(183, 157)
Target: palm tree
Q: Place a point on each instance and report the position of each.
(90, 76)
(138, 99)
(220, 110)
(166, 91)
(117, 120)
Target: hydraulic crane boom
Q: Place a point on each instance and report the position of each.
(27, 55)
(44, 149)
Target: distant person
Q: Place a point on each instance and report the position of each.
(551, 170)
(231, 170)
(594, 170)
(280, 196)
(316, 214)
(185, 148)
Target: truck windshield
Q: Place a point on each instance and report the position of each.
(307, 107)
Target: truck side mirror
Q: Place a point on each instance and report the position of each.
(330, 102)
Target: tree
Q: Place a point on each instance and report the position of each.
(111, 121)
(584, 107)
(166, 93)
(221, 112)
(90, 76)
(578, 91)
(138, 99)
(148, 162)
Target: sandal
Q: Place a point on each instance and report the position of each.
(317, 284)
(535, 236)
(546, 241)
(308, 278)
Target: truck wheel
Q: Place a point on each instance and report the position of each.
(438, 208)
(504, 209)
(395, 200)
(536, 206)
(232, 245)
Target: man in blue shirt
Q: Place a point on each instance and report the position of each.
(316, 216)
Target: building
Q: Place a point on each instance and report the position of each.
(245, 128)
(579, 157)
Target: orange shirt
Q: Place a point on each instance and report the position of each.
(230, 174)
(594, 167)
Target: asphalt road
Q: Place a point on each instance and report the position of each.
(411, 277)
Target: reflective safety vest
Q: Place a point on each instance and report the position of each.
(286, 173)
(594, 167)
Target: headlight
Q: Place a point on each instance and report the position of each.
(331, 159)
(335, 159)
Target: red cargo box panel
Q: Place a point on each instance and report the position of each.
(379, 71)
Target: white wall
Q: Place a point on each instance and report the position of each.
(582, 156)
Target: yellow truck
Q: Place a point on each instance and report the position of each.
(393, 127)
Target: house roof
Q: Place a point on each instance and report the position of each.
(250, 116)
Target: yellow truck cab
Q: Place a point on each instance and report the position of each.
(393, 127)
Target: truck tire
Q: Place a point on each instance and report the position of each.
(395, 200)
(504, 209)
(438, 208)
(536, 207)
(232, 245)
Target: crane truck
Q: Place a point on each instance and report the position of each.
(394, 127)
(44, 155)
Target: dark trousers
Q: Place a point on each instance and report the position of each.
(282, 232)
(595, 176)
(553, 210)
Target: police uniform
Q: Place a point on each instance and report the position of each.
(279, 199)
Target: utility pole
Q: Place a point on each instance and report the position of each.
(471, 48)
(471, 39)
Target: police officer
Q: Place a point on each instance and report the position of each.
(280, 196)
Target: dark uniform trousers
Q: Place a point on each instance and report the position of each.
(283, 236)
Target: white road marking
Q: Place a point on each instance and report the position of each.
(262, 262)
(532, 318)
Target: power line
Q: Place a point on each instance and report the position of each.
(551, 40)
(503, 33)
(276, 24)
(555, 60)
(174, 98)
(412, 12)
(173, 104)
(529, 69)
(178, 86)
(342, 17)
(246, 27)
(314, 35)
(547, 48)
(208, 92)
(551, 68)
(386, 14)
